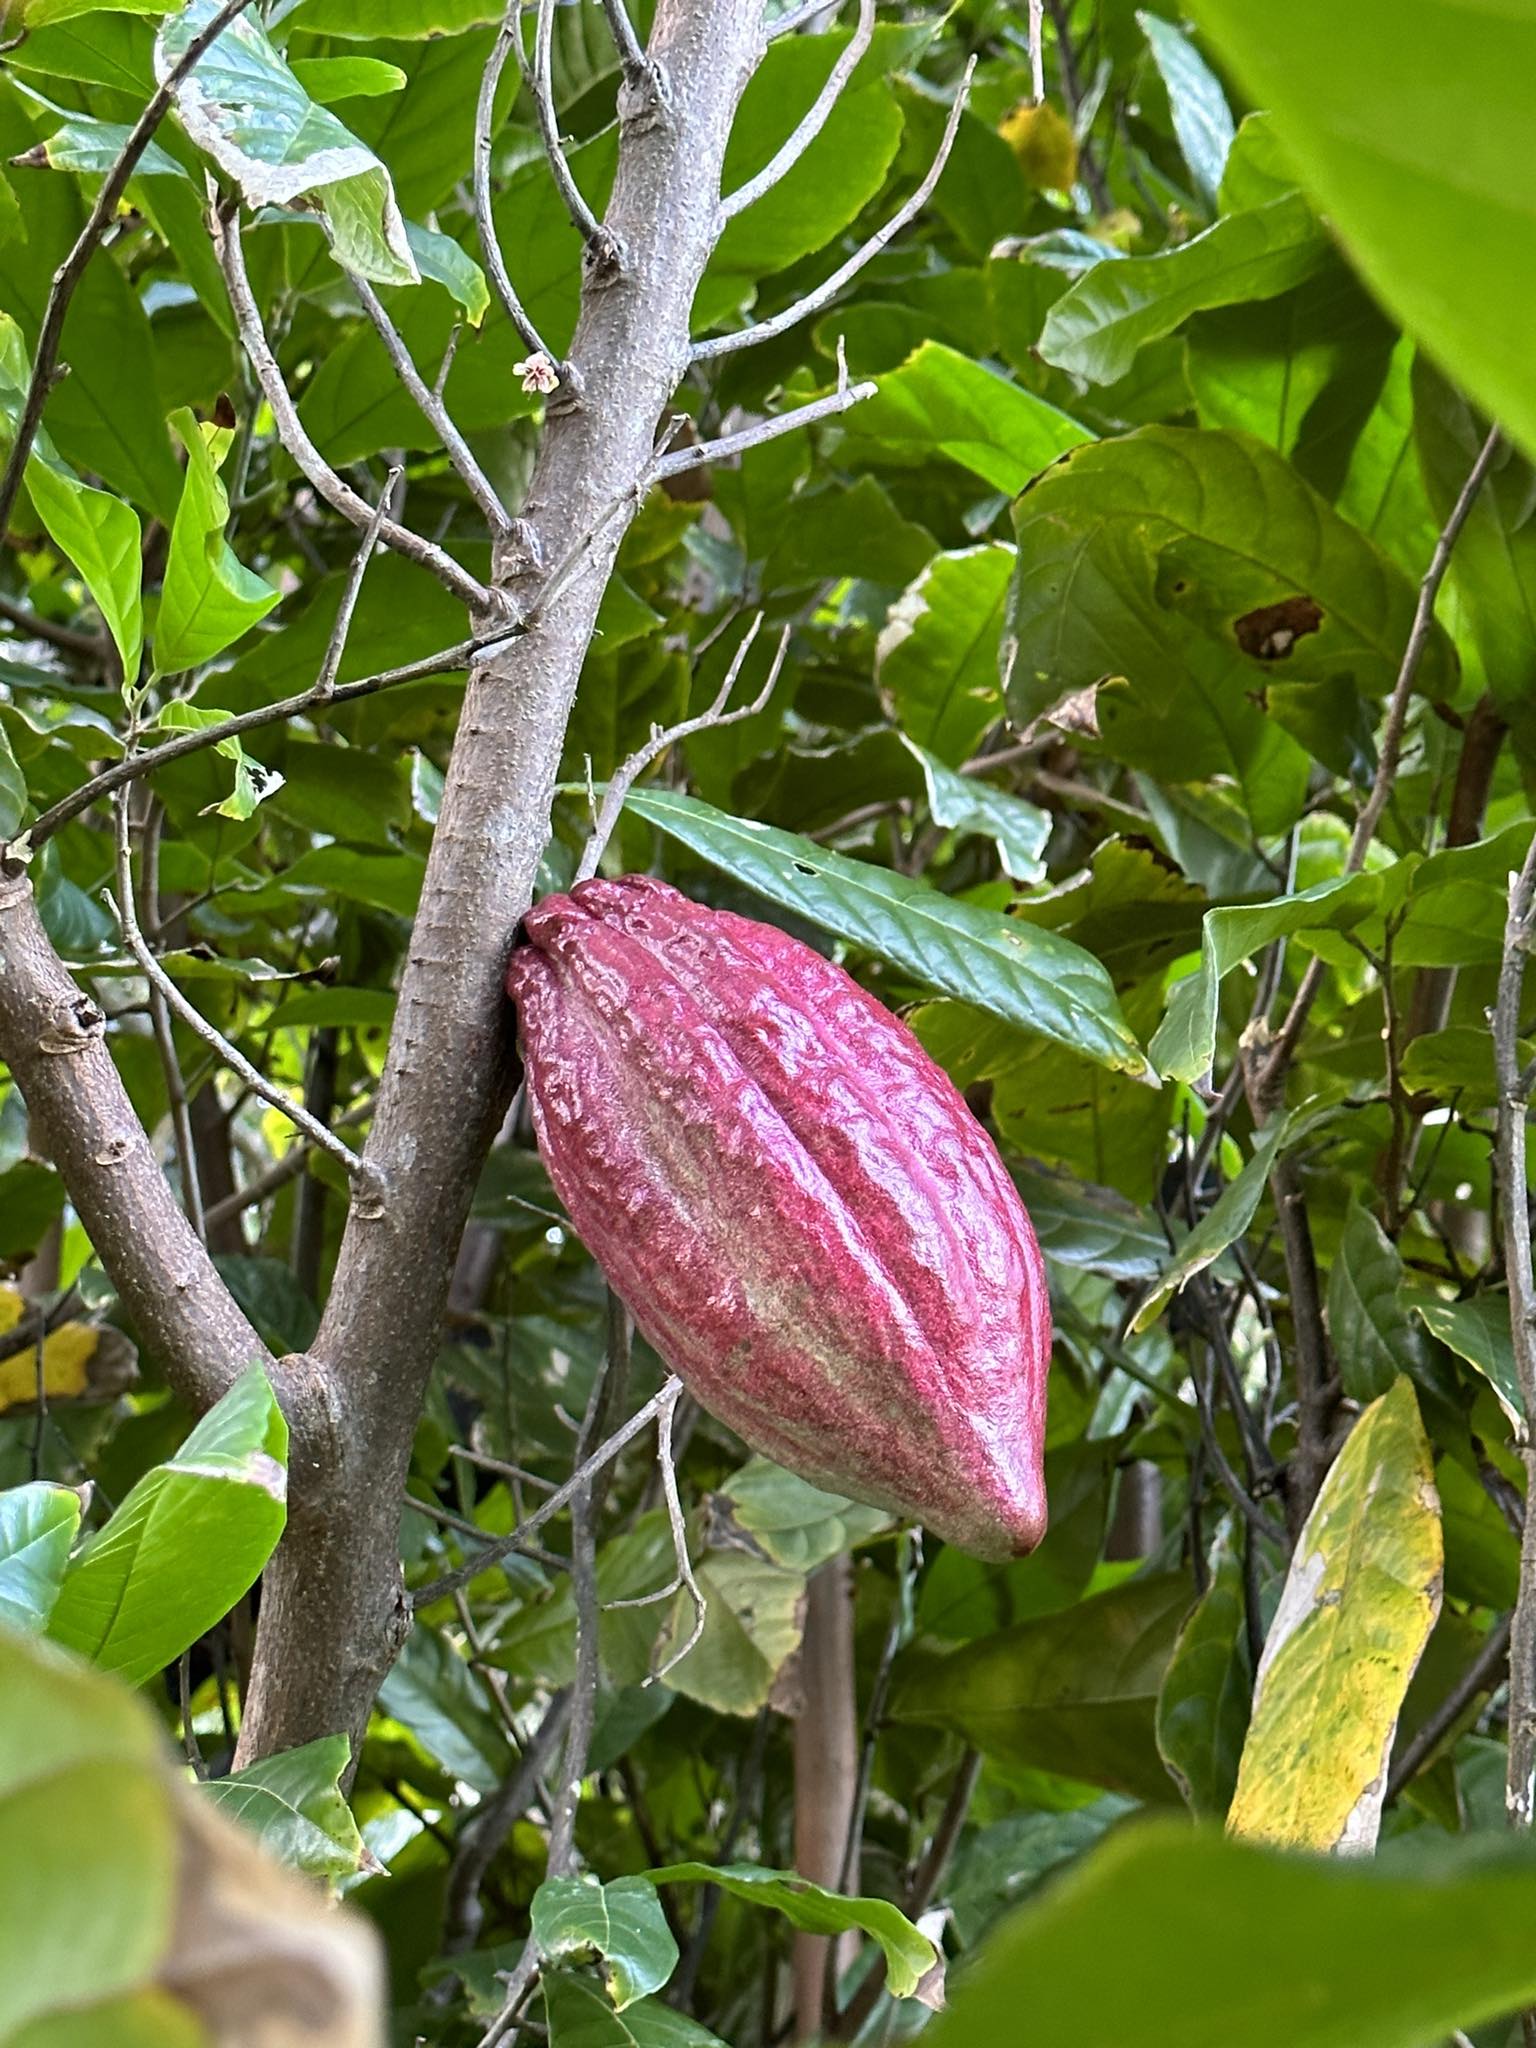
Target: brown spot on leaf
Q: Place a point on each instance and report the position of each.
(1270, 633)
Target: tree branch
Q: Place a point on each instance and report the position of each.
(480, 602)
(507, 39)
(53, 1039)
(811, 122)
(729, 446)
(69, 273)
(542, 86)
(826, 292)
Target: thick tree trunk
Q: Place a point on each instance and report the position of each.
(331, 1614)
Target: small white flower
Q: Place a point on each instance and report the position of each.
(537, 372)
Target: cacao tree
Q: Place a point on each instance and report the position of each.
(1028, 508)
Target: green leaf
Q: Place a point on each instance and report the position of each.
(936, 657)
(1198, 571)
(13, 790)
(79, 1765)
(440, 258)
(1202, 120)
(1027, 977)
(1184, 1044)
(101, 536)
(1095, 328)
(1217, 1941)
(1078, 1224)
(1202, 1709)
(1367, 1322)
(909, 1955)
(38, 1524)
(622, 1923)
(1479, 1331)
(327, 79)
(92, 148)
(970, 807)
(185, 1542)
(253, 782)
(243, 105)
(754, 1620)
(580, 2017)
(795, 1523)
(294, 1805)
(208, 599)
(1434, 212)
(1075, 1691)
(1222, 1224)
(1359, 1602)
(942, 404)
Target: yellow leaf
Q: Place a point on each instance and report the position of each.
(1044, 144)
(1361, 1597)
(80, 1360)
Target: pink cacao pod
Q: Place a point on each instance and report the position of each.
(795, 1203)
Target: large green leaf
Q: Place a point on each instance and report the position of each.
(909, 1955)
(1367, 1321)
(1229, 598)
(1217, 1941)
(1027, 977)
(1202, 1709)
(1096, 328)
(185, 1542)
(937, 654)
(1074, 1692)
(580, 2017)
(1416, 146)
(245, 107)
(1202, 119)
(292, 1802)
(1360, 1600)
(37, 1530)
(622, 1922)
(942, 405)
(208, 598)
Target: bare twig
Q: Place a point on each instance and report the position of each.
(482, 603)
(826, 292)
(728, 446)
(69, 639)
(1037, 49)
(549, 124)
(341, 626)
(632, 58)
(228, 1055)
(683, 1577)
(149, 759)
(623, 779)
(100, 218)
(1283, 1049)
(503, 1546)
(811, 123)
(1513, 1116)
(160, 1024)
(507, 39)
(487, 1828)
(429, 403)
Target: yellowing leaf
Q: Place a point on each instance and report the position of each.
(80, 1360)
(1044, 144)
(1360, 1600)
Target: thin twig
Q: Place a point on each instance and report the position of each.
(100, 218)
(1037, 49)
(632, 59)
(811, 122)
(623, 779)
(341, 626)
(1283, 1049)
(165, 1039)
(683, 1578)
(429, 403)
(824, 293)
(149, 759)
(481, 601)
(227, 1054)
(507, 39)
(503, 1546)
(1513, 1187)
(728, 446)
(542, 83)
(69, 639)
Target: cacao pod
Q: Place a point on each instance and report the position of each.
(794, 1202)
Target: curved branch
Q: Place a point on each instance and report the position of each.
(825, 293)
(490, 243)
(811, 123)
(549, 125)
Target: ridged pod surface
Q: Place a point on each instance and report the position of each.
(794, 1202)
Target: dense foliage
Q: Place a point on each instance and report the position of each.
(1116, 740)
